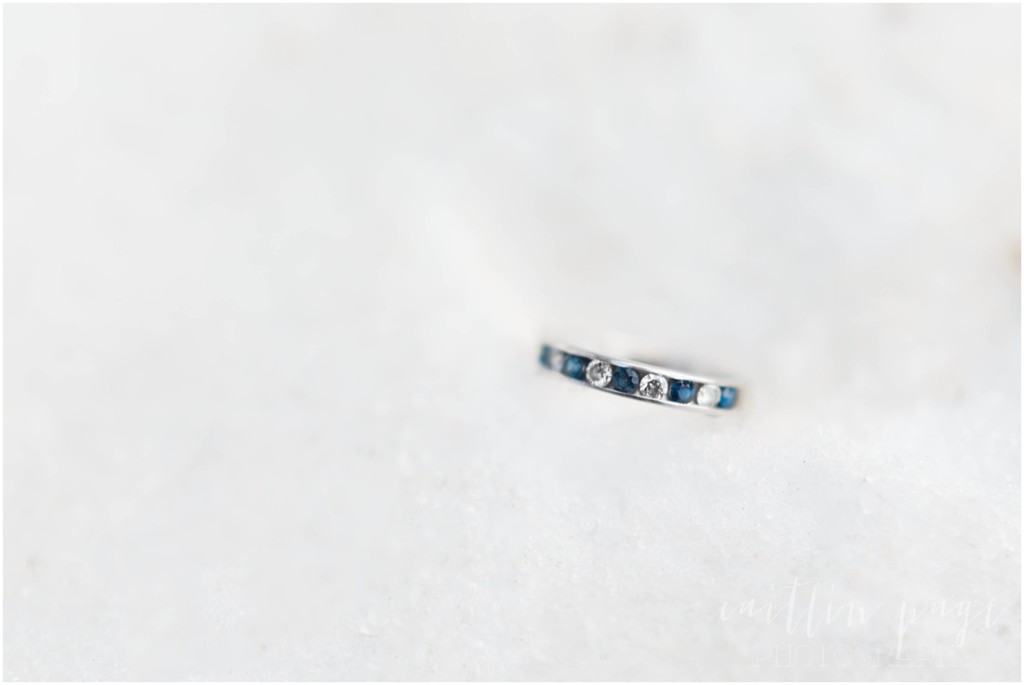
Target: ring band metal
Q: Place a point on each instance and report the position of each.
(639, 380)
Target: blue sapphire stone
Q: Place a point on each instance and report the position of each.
(625, 379)
(545, 356)
(575, 366)
(680, 391)
(728, 398)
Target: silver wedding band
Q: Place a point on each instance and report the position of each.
(639, 380)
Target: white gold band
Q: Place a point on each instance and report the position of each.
(639, 380)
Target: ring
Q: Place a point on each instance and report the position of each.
(638, 380)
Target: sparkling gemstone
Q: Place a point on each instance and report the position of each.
(728, 398)
(599, 373)
(555, 359)
(575, 366)
(708, 395)
(681, 391)
(653, 386)
(625, 379)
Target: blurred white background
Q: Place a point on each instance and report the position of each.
(274, 283)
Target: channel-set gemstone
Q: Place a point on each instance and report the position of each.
(728, 398)
(653, 386)
(545, 356)
(599, 373)
(575, 366)
(625, 379)
(681, 391)
(708, 395)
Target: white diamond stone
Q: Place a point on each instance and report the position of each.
(556, 359)
(653, 386)
(599, 373)
(708, 395)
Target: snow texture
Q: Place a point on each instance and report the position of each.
(275, 281)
